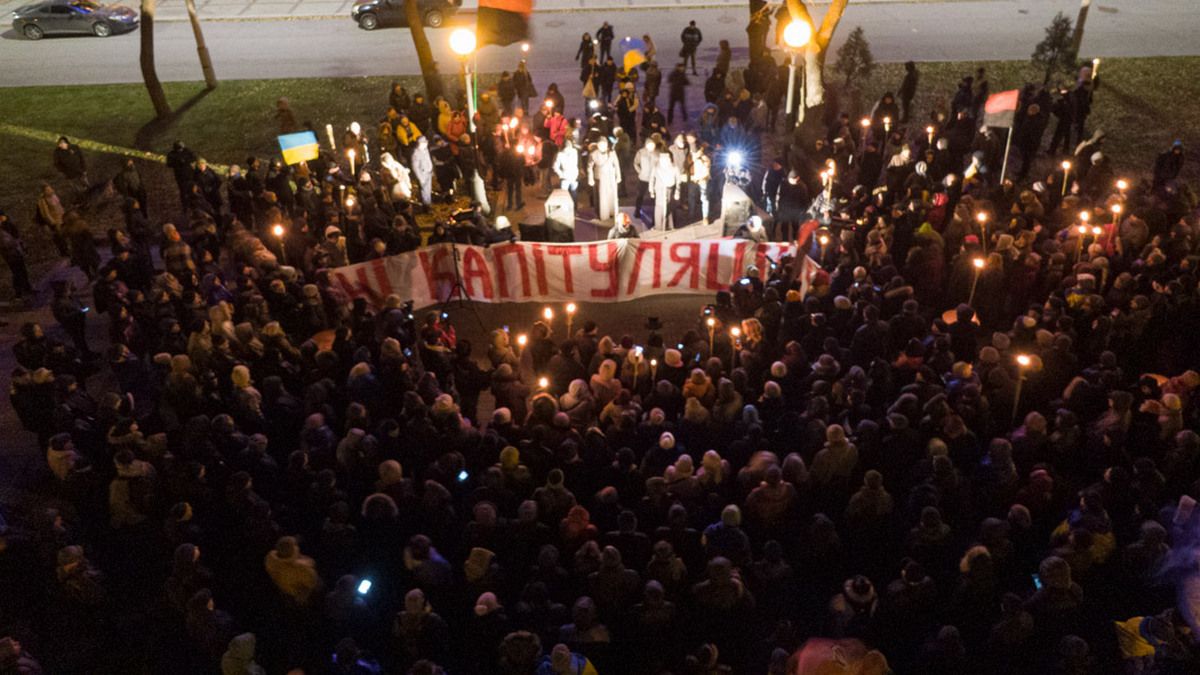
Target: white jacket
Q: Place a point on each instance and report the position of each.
(566, 165)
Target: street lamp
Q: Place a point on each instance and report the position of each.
(978, 265)
(462, 43)
(795, 37)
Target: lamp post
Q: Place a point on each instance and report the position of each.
(795, 36)
(1023, 363)
(462, 43)
(977, 264)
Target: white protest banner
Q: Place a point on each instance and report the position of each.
(601, 271)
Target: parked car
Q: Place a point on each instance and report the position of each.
(371, 14)
(54, 17)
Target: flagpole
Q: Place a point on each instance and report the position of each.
(1007, 145)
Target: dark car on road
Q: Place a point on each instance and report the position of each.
(61, 17)
(371, 14)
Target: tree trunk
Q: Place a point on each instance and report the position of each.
(1077, 36)
(210, 76)
(162, 109)
(814, 53)
(429, 69)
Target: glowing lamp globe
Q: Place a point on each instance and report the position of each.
(462, 41)
(797, 34)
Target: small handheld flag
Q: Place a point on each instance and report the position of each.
(1001, 108)
(299, 147)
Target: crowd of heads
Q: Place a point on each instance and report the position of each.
(969, 448)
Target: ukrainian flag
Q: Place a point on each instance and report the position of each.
(299, 147)
(634, 53)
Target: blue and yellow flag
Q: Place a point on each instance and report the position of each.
(633, 53)
(299, 147)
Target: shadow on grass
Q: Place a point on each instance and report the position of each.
(150, 132)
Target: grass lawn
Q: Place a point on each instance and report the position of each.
(1143, 104)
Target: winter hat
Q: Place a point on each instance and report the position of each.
(476, 566)
(859, 590)
(70, 555)
(486, 604)
(897, 422)
(835, 433)
(287, 548)
(673, 358)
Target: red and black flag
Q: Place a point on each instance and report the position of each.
(1001, 108)
(503, 22)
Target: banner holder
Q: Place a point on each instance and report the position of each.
(459, 289)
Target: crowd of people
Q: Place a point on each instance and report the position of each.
(970, 448)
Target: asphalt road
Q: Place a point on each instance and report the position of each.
(921, 31)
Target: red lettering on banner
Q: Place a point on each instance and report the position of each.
(712, 272)
(566, 251)
(430, 264)
(739, 262)
(539, 265)
(347, 286)
(690, 264)
(475, 266)
(383, 284)
(498, 253)
(639, 250)
(611, 267)
(365, 288)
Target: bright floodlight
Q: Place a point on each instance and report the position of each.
(462, 41)
(797, 34)
(735, 159)
(594, 104)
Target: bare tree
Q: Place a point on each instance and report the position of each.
(210, 76)
(818, 46)
(162, 109)
(429, 69)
